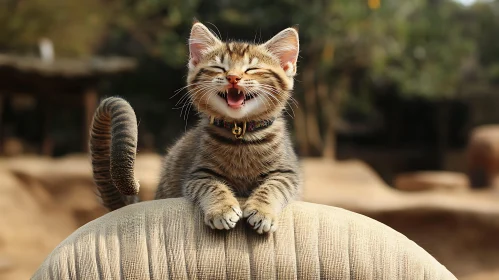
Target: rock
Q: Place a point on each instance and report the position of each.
(30, 228)
(483, 155)
(432, 180)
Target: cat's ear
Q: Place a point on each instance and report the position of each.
(285, 45)
(200, 41)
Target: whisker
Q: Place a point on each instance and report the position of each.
(193, 84)
(273, 90)
(186, 100)
(218, 35)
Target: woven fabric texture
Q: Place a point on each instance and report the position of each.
(167, 239)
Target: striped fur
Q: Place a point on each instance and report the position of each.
(208, 164)
(113, 146)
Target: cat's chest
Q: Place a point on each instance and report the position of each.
(242, 163)
(243, 168)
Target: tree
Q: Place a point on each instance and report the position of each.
(433, 49)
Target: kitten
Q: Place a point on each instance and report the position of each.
(241, 146)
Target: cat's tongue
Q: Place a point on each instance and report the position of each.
(234, 98)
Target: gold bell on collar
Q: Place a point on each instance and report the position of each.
(239, 131)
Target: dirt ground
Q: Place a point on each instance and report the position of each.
(43, 200)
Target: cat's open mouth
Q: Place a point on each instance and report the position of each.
(235, 97)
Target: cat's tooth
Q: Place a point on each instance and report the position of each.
(239, 91)
(226, 91)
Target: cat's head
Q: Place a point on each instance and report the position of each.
(238, 80)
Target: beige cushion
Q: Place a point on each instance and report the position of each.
(166, 239)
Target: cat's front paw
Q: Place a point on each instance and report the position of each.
(260, 217)
(223, 215)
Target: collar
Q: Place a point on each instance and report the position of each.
(240, 128)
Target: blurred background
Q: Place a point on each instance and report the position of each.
(397, 112)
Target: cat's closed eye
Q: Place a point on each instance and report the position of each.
(254, 69)
(219, 69)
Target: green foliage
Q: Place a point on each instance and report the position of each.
(420, 45)
(436, 49)
(431, 50)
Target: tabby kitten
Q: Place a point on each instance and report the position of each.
(240, 147)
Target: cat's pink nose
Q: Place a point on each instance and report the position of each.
(233, 79)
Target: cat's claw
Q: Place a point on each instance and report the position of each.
(238, 211)
(262, 221)
(225, 217)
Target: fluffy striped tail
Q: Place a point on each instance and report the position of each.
(113, 147)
